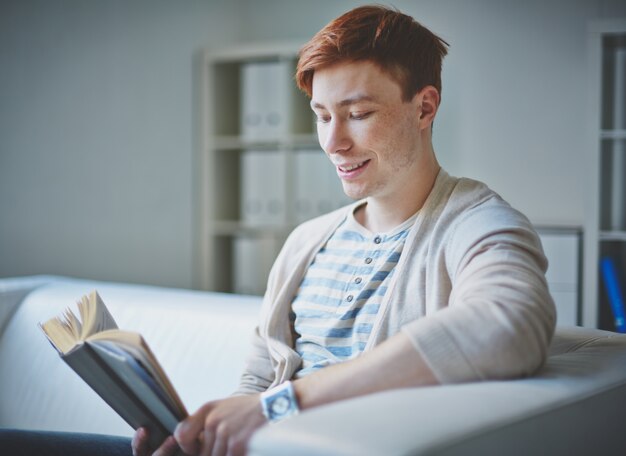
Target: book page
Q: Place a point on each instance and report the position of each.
(94, 315)
(62, 332)
(68, 330)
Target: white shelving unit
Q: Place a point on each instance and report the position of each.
(257, 139)
(605, 230)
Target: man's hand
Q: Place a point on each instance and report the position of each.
(221, 427)
(141, 448)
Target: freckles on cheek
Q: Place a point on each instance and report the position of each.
(382, 130)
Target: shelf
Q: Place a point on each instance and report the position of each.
(548, 229)
(296, 141)
(236, 228)
(261, 169)
(613, 236)
(613, 134)
(254, 51)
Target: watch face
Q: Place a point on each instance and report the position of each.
(280, 402)
(280, 405)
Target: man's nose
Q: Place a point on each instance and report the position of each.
(336, 137)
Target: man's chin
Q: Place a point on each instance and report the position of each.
(354, 193)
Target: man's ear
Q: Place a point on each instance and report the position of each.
(428, 99)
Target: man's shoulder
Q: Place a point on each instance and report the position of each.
(470, 206)
(463, 195)
(485, 202)
(466, 193)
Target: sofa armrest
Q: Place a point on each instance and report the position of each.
(575, 403)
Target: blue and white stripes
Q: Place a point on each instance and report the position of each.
(339, 298)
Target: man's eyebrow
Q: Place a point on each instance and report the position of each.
(346, 102)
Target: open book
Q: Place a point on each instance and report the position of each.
(118, 365)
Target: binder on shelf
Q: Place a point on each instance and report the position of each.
(253, 258)
(611, 282)
(264, 100)
(308, 184)
(263, 188)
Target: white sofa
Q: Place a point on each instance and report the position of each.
(575, 405)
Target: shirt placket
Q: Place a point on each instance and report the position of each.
(361, 279)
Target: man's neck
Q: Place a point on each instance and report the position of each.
(382, 214)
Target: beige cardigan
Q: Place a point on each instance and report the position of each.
(469, 290)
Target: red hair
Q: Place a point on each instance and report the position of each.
(399, 45)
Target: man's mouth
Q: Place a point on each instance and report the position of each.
(348, 168)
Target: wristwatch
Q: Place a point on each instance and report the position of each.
(279, 402)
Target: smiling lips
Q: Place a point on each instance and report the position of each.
(351, 170)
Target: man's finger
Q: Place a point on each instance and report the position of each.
(140, 442)
(188, 430)
(208, 440)
(169, 447)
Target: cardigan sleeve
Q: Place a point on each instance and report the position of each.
(500, 317)
(258, 374)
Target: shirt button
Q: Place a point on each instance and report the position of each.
(368, 260)
(358, 280)
(349, 298)
(377, 240)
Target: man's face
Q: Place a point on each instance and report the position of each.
(368, 132)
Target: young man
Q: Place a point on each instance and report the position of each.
(427, 279)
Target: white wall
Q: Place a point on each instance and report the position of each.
(97, 101)
(96, 135)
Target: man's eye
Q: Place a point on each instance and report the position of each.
(322, 119)
(360, 115)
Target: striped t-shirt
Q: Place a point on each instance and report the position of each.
(337, 302)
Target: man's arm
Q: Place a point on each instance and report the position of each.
(393, 364)
(500, 316)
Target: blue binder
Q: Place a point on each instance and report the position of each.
(611, 282)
